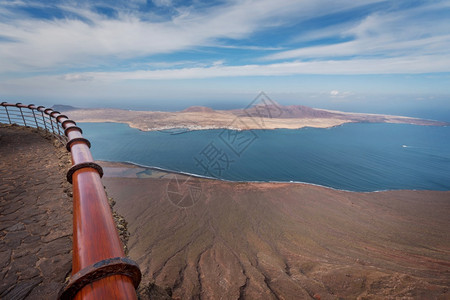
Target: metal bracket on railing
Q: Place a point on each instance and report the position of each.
(54, 112)
(70, 142)
(61, 116)
(63, 124)
(83, 165)
(99, 270)
(68, 129)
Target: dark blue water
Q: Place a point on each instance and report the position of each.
(356, 157)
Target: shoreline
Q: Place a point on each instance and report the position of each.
(131, 165)
(188, 129)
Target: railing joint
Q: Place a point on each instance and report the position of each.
(105, 268)
(68, 121)
(61, 116)
(83, 165)
(68, 129)
(70, 142)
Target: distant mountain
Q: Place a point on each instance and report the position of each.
(203, 109)
(284, 112)
(62, 107)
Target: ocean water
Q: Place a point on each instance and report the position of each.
(355, 157)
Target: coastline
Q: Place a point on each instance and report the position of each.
(185, 129)
(163, 173)
(314, 124)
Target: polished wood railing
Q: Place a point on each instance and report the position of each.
(100, 269)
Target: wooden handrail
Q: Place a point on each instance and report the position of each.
(100, 269)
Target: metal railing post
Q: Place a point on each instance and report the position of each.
(43, 120)
(51, 123)
(21, 113)
(59, 129)
(7, 113)
(50, 118)
(34, 115)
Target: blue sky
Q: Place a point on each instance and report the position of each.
(363, 55)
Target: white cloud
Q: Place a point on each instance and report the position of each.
(77, 77)
(334, 93)
(162, 2)
(396, 34)
(62, 43)
(218, 63)
(406, 65)
(339, 94)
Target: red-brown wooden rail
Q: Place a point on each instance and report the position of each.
(99, 267)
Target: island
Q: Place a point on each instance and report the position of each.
(261, 116)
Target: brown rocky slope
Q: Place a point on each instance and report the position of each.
(207, 239)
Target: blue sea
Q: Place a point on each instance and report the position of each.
(355, 157)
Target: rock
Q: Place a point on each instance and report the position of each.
(22, 289)
(16, 227)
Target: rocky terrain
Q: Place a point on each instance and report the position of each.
(261, 116)
(35, 214)
(208, 239)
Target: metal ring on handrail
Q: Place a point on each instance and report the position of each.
(4, 102)
(99, 270)
(69, 143)
(30, 106)
(54, 112)
(83, 165)
(68, 121)
(66, 131)
(46, 110)
(39, 107)
(61, 116)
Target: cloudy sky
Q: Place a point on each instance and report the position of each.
(323, 53)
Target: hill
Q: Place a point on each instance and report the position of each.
(62, 107)
(203, 109)
(197, 238)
